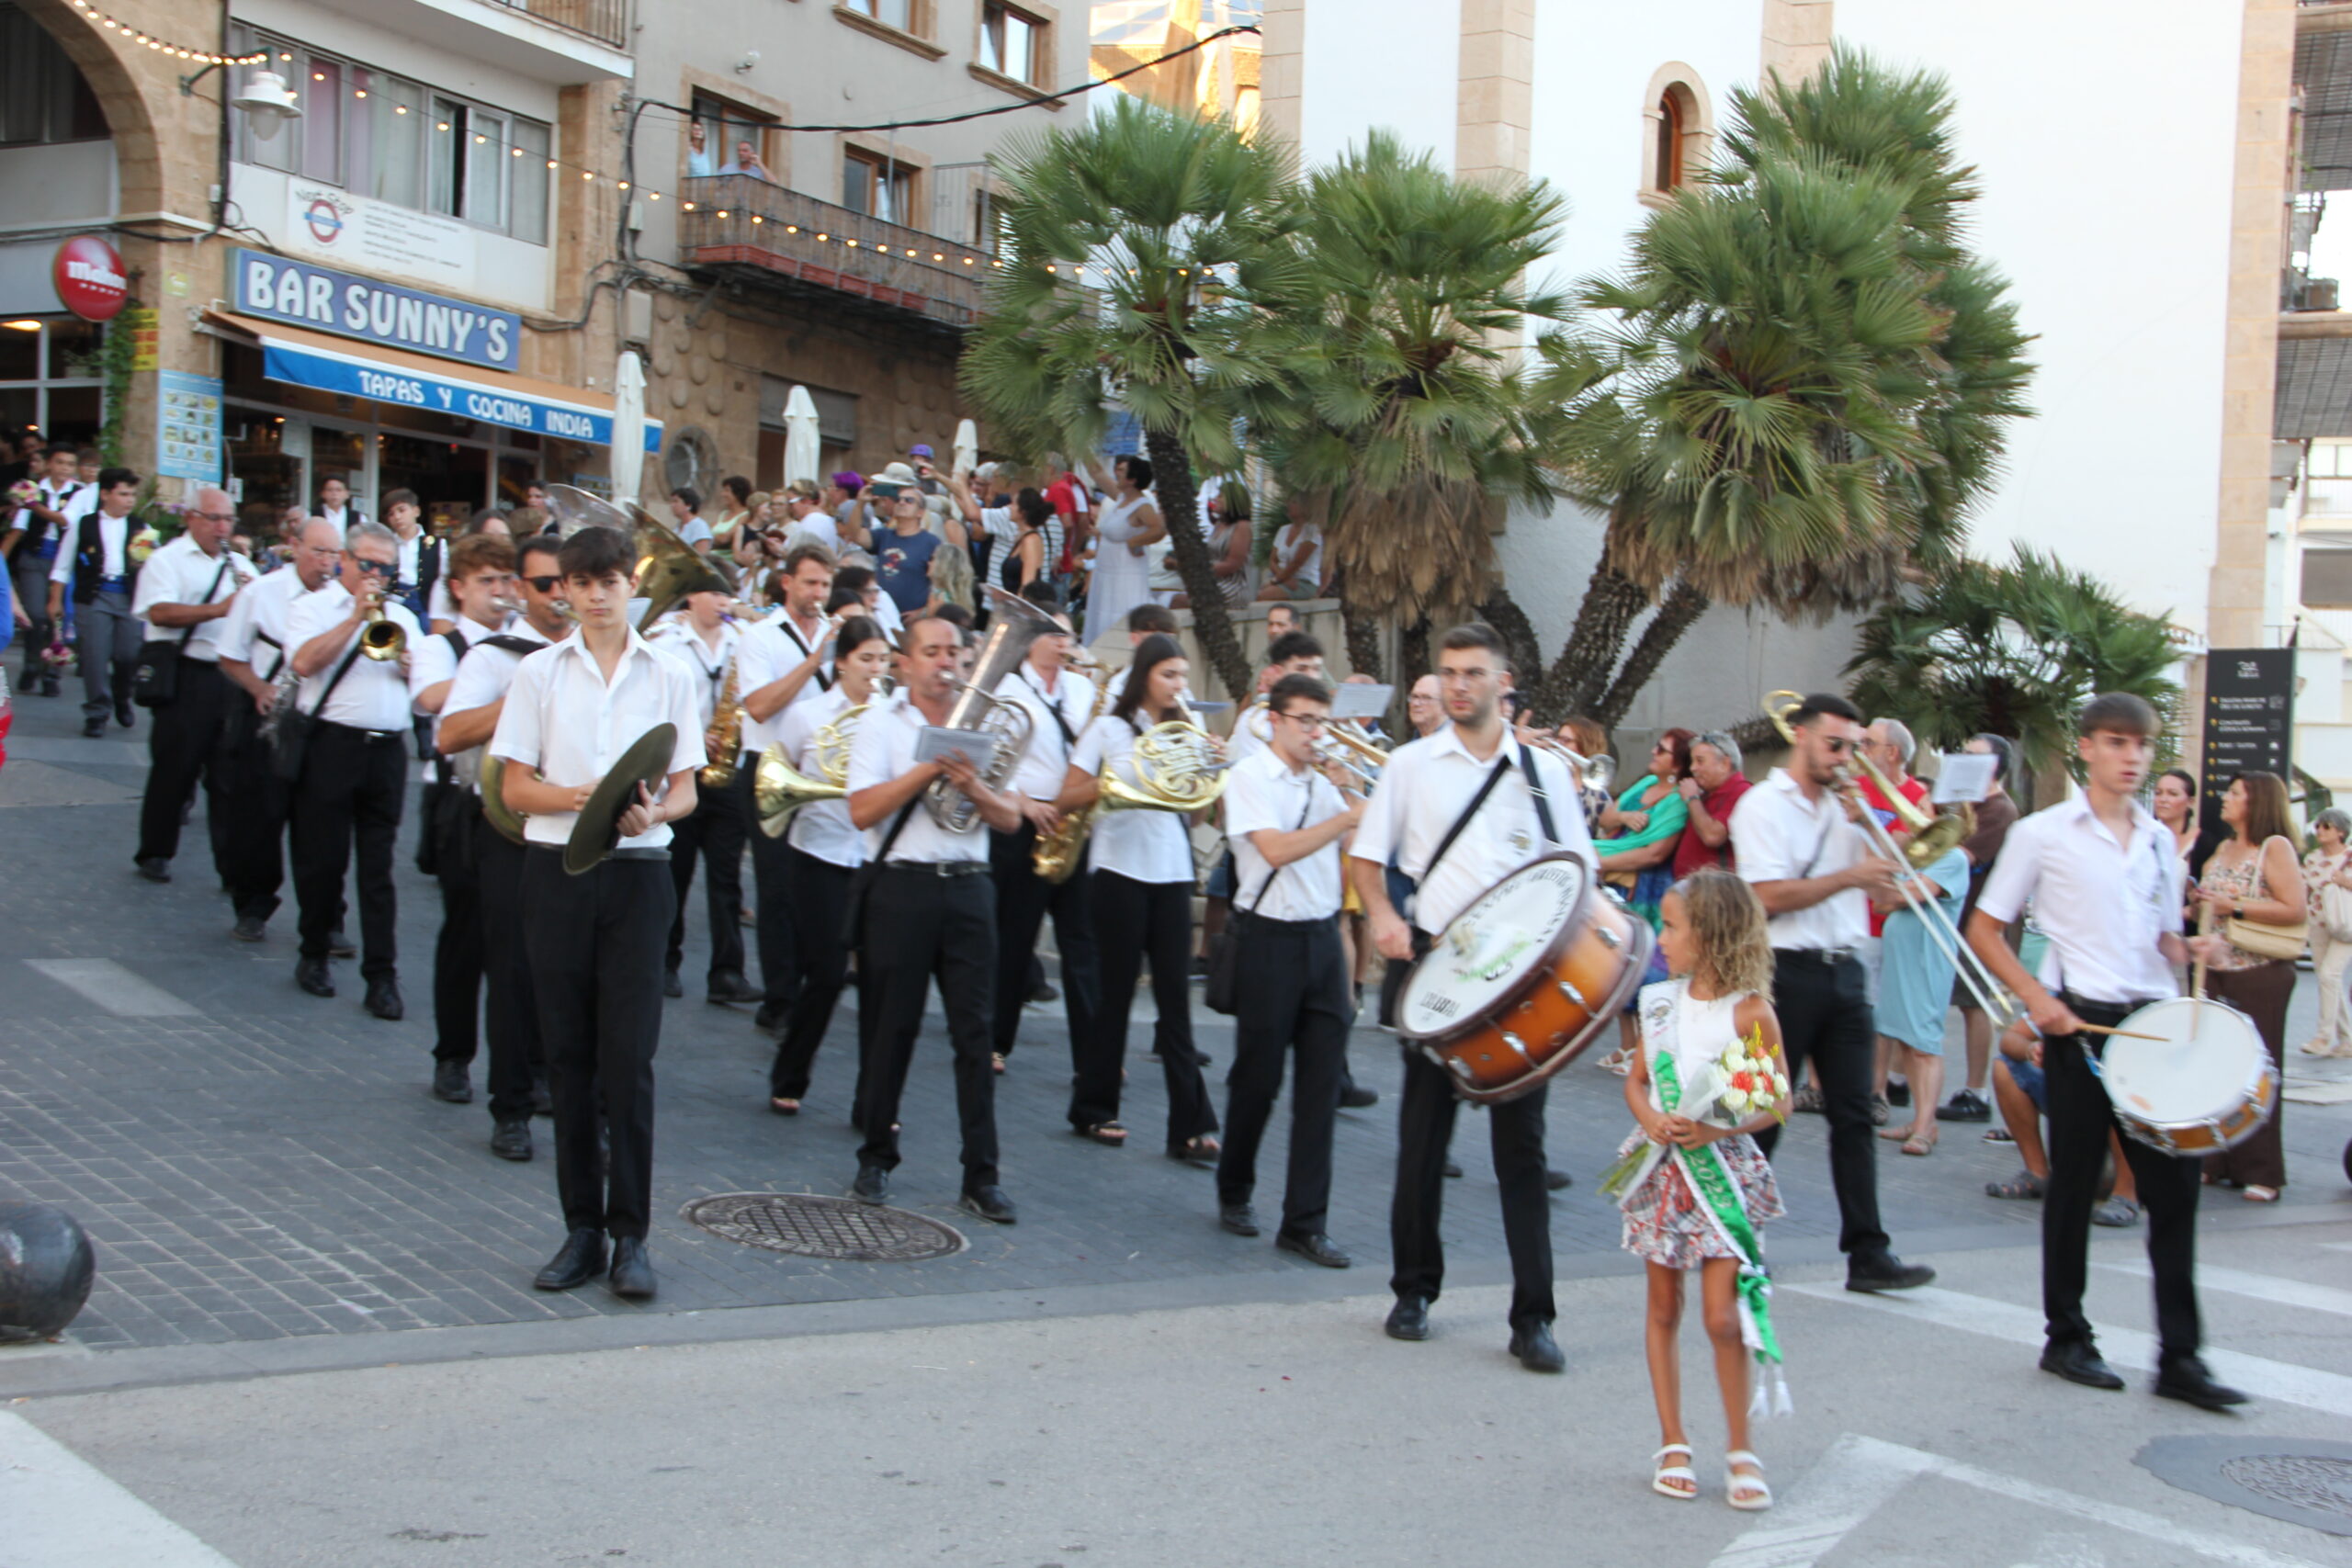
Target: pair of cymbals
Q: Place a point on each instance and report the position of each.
(598, 833)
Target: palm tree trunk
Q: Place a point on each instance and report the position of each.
(1682, 609)
(1180, 508)
(1611, 600)
(1502, 612)
(1363, 641)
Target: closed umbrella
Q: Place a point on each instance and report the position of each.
(968, 447)
(628, 427)
(801, 453)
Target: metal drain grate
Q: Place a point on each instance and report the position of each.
(2302, 1481)
(812, 1226)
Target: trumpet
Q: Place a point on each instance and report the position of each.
(1590, 772)
(381, 638)
(1333, 749)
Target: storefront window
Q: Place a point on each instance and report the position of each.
(49, 376)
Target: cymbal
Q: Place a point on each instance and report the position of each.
(647, 762)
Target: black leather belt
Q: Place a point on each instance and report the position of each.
(368, 735)
(1827, 957)
(939, 867)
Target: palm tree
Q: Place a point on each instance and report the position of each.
(1804, 385)
(1138, 243)
(1413, 424)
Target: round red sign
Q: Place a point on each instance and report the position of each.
(90, 278)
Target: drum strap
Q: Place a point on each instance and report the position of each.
(1535, 788)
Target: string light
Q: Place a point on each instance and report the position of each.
(200, 56)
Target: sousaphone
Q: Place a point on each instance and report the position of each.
(668, 568)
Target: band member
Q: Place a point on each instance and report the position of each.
(929, 914)
(254, 657)
(354, 772)
(185, 592)
(705, 644)
(336, 509)
(2106, 888)
(470, 717)
(594, 941)
(1457, 811)
(35, 538)
(1798, 841)
(1288, 823)
(94, 559)
(1143, 907)
(480, 582)
(824, 852)
(1293, 653)
(785, 658)
(1060, 701)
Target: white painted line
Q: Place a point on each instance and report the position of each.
(113, 987)
(63, 1513)
(2129, 1347)
(2261, 1287)
(1858, 1474)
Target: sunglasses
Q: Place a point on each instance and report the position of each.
(373, 567)
(543, 584)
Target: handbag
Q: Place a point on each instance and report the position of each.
(289, 743)
(1221, 994)
(2267, 941)
(156, 680)
(2335, 911)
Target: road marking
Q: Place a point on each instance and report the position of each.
(113, 987)
(1858, 1474)
(2261, 1287)
(2281, 1380)
(63, 1513)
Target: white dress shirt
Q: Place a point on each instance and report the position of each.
(1263, 794)
(564, 719)
(1145, 846)
(1045, 767)
(821, 829)
(341, 519)
(254, 632)
(1248, 737)
(181, 573)
(2104, 905)
(816, 528)
(1779, 836)
(373, 694)
(769, 652)
(79, 500)
(681, 643)
(483, 675)
(408, 557)
(114, 538)
(884, 750)
(1425, 788)
(433, 661)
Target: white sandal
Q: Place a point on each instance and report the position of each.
(1748, 1494)
(1683, 1472)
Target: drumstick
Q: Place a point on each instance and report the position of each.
(2197, 972)
(2119, 1034)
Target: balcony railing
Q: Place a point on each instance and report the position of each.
(607, 21)
(740, 220)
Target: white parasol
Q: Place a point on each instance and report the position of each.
(801, 453)
(968, 447)
(628, 427)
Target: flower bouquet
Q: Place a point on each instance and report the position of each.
(1725, 1090)
(24, 493)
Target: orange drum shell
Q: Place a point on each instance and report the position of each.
(1605, 952)
(2227, 1131)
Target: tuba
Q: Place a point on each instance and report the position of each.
(1013, 622)
(779, 789)
(668, 568)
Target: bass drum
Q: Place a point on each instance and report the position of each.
(1523, 979)
(2205, 1085)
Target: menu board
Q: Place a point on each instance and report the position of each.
(2249, 719)
(187, 426)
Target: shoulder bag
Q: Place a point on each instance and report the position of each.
(290, 743)
(156, 680)
(1224, 948)
(861, 881)
(2265, 940)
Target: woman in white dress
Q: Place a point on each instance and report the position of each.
(1130, 524)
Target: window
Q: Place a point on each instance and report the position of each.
(726, 126)
(1010, 41)
(397, 141)
(878, 188)
(49, 376)
(1669, 142)
(898, 14)
(42, 97)
(1677, 134)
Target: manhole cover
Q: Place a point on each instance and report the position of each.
(2303, 1481)
(813, 1226)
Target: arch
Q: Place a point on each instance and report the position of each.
(122, 95)
(1677, 131)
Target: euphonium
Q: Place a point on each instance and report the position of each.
(779, 789)
(727, 720)
(978, 707)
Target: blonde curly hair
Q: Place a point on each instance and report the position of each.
(1728, 921)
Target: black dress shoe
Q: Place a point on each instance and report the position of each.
(339, 946)
(384, 1000)
(2079, 1362)
(1043, 992)
(512, 1139)
(1886, 1272)
(450, 1082)
(1239, 1218)
(729, 986)
(990, 1204)
(2188, 1381)
(1557, 1180)
(769, 1019)
(1536, 1350)
(542, 1098)
(312, 976)
(154, 868)
(872, 1186)
(632, 1275)
(122, 713)
(1355, 1096)
(579, 1260)
(1409, 1319)
(1316, 1249)
(672, 987)
(249, 928)
(1453, 1170)
(95, 729)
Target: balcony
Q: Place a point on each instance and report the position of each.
(567, 43)
(767, 234)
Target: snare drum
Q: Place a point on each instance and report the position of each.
(1523, 979)
(2195, 1092)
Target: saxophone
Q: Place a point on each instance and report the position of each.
(726, 718)
(1055, 854)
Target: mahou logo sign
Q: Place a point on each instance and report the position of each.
(90, 278)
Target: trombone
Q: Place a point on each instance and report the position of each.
(1933, 836)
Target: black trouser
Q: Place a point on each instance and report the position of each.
(715, 831)
(511, 1016)
(1132, 919)
(458, 951)
(773, 900)
(105, 645)
(256, 867)
(183, 749)
(1022, 900)
(920, 926)
(31, 576)
(595, 948)
(1826, 1014)
(354, 785)
(1291, 990)
(2081, 1117)
(817, 915)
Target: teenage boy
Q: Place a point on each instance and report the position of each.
(94, 559)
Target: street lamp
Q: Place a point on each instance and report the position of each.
(267, 101)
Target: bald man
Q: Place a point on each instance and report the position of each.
(185, 592)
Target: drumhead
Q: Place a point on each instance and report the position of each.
(1481, 959)
(2182, 1079)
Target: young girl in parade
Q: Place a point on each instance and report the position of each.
(1707, 1076)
